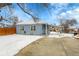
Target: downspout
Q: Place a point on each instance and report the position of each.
(46, 30)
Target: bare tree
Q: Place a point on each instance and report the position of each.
(1, 18)
(66, 23)
(4, 4)
(46, 5)
(24, 9)
(73, 22)
(9, 19)
(15, 20)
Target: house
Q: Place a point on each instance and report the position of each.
(73, 29)
(32, 28)
(57, 28)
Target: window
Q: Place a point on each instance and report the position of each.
(33, 28)
(22, 28)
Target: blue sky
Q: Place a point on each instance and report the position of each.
(65, 10)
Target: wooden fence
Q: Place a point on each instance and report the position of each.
(7, 31)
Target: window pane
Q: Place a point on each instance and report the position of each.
(33, 28)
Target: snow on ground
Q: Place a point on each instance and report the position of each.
(11, 44)
(60, 35)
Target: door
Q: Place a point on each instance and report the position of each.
(33, 29)
(22, 29)
(44, 28)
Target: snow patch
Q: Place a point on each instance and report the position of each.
(60, 35)
(11, 44)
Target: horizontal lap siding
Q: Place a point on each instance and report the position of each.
(38, 30)
(7, 31)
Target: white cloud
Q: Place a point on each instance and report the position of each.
(59, 4)
(71, 14)
(76, 10)
(63, 14)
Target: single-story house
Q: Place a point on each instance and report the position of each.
(32, 28)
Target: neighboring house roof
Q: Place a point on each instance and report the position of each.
(31, 22)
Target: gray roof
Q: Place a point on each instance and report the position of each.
(31, 22)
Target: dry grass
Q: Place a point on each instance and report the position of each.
(51, 47)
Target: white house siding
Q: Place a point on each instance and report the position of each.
(18, 29)
(27, 29)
